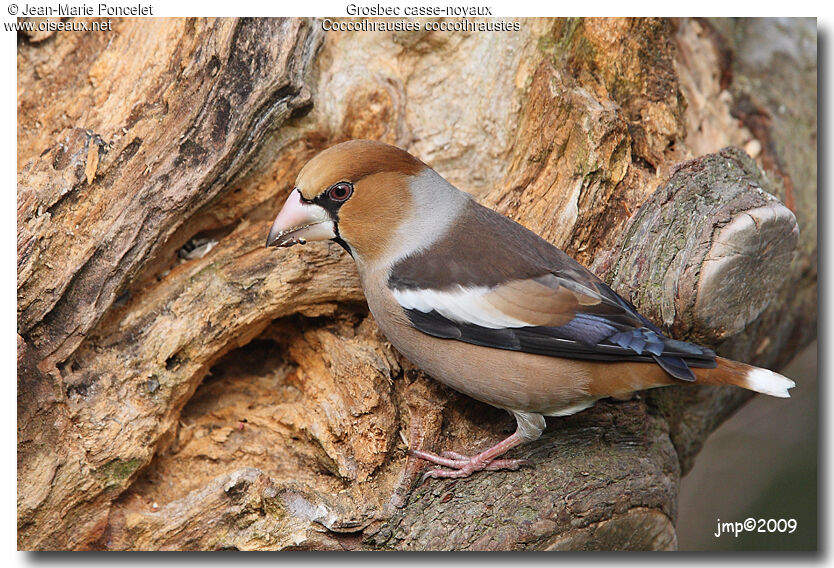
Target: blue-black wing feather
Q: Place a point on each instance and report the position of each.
(574, 341)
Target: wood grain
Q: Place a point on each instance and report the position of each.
(181, 387)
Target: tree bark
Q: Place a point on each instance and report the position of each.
(181, 387)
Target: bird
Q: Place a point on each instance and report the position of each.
(484, 305)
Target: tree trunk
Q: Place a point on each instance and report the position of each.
(182, 387)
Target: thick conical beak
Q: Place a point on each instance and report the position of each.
(299, 222)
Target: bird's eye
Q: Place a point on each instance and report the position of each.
(340, 191)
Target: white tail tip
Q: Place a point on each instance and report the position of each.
(768, 382)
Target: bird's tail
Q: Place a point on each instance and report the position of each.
(729, 372)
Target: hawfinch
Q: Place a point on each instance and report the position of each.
(484, 305)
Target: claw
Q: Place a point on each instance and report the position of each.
(457, 465)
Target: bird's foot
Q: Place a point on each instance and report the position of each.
(457, 465)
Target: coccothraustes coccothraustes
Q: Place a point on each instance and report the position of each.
(481, 303)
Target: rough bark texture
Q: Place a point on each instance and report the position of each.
(181, 387)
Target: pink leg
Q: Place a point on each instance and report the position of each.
(464, 466)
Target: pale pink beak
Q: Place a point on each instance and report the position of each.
(299, 222)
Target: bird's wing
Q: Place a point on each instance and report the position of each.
(548, 316)
(515, 291)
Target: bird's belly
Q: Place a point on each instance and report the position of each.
(506, 379)
(502, 378)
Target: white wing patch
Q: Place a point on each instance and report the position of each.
(463, 305)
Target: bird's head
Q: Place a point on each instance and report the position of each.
(366, 195)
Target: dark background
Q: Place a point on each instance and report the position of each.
(761, 463)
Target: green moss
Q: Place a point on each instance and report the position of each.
(527, 513)
(244, 522)
(566, 41)
(569, 29)
(274, 507)
(116, 471)
(582, 157)
(546, 44)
